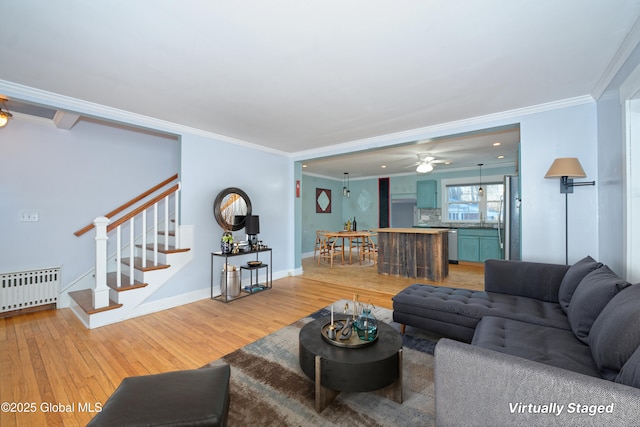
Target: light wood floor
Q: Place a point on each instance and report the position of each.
(49, 358)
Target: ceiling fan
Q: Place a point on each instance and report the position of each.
(425, 164)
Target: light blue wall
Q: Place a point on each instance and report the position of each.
(70, 177)
(363, 203)
(312, 221)
(209, 166)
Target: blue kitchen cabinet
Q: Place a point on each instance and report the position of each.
(427, 194)
(478, 244)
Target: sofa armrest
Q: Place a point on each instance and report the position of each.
(528, 279)
(476, 386)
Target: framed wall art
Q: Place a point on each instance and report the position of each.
(323, 200)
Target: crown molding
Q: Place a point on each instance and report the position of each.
(622, 54)
(437, 130)
(109, 114)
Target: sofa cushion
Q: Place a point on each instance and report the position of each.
(551, 346)
(465, 307)
(524, 278)
(591, 296)
(630, 372)
(615, 335)
(572, 279)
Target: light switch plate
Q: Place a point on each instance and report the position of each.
(28, 217)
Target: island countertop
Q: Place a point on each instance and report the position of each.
(413, 230)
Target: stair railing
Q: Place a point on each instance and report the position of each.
(104, 227)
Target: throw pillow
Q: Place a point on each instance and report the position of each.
(630, 372)
(615, 334)
(591, 296)
(572, 279)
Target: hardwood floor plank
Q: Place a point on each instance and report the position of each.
(49, 357)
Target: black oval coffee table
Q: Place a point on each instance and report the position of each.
(335, 369)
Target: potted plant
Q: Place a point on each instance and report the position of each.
(226, 242)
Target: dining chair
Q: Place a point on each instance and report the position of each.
(369, 249)
(319, 238)
(328, 248)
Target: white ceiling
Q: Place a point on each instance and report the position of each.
(298, 76)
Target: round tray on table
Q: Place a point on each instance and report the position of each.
(353, 341)
(254, 263)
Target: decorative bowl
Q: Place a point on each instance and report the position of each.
(254, 263)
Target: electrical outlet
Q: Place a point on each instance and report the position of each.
(28, 217)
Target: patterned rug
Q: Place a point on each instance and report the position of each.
(268, 388)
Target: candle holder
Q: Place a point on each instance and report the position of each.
(331, 332)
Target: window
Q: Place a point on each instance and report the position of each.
(465, 204)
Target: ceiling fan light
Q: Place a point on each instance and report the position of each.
(424, 167)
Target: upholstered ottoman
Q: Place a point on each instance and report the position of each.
(198, 397)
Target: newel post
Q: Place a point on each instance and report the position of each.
(101, 290)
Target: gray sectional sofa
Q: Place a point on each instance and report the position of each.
(543, 344)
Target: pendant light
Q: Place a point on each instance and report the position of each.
(480, 190)
(345, 185)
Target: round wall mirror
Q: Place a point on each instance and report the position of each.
(230, 207)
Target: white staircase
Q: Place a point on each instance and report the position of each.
(126, 299)
(142, 265)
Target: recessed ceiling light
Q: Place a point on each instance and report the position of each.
(501, 156)
(304, 165)
(383, 166)
(495, 144)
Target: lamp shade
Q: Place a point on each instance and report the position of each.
(252, 224)
(566, 166)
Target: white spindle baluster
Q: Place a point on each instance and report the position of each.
(166, 223)
(132, 248)
(118, 256)
(176, 217)
(155, 234)
(144, 239)
(120, 252)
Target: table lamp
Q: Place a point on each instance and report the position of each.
(252, 227)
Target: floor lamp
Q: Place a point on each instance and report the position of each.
(567, 168)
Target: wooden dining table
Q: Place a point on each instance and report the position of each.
(358, 236)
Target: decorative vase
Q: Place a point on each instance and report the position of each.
(366, 325)
(226, 242)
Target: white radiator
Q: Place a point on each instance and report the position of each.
(26, 289)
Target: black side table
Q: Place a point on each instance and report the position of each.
(224, 296)
(335, 369)
(255, 286)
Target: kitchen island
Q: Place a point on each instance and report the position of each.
(414, 252)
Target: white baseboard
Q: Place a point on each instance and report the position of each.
(171, 302)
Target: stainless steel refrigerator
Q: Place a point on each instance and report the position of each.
(509, 228)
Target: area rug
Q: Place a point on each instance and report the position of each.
(268, 388)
